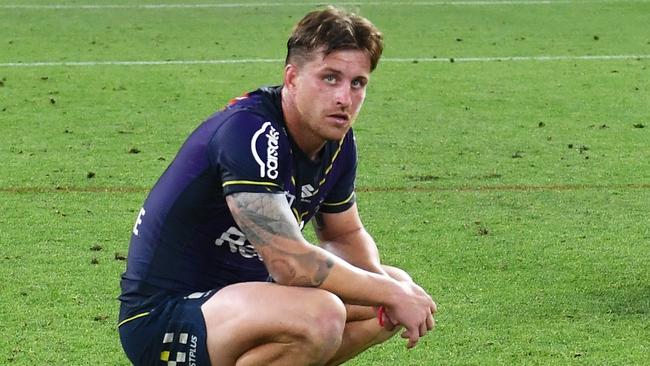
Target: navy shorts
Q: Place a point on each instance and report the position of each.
(172, 333)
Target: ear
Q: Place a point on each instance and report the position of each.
(290, 75)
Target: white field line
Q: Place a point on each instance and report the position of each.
(137, 63)
(273, 60)
(304, 4)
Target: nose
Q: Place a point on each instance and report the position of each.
(343, 97)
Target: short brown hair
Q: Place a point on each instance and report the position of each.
(332, 29)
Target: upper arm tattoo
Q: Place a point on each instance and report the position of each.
(263, 217)
(267, 222)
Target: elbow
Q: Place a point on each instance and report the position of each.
(284, 272)
(288, 271)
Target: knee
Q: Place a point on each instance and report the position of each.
(328, 317)
(324, 331)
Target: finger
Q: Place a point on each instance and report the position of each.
(434, 307)
(410, 343)
(430, 322)
(423, 329)
(413, 337)
(413, 341)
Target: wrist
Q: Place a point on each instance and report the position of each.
(393, 292)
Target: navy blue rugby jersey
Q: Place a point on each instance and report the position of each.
(185, 239)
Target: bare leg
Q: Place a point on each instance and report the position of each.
(362, 329)
(258, 323)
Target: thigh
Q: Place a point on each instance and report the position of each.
(243, 316)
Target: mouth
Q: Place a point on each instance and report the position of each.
(340, 118)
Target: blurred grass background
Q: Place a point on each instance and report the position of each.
(516, 192)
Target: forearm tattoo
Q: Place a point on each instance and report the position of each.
(269, 225)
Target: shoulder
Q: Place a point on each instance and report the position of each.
(248, 126)
(251, 112)
(264, 101)
(251, 146)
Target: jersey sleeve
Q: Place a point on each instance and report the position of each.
(342, 195)
(249, 154)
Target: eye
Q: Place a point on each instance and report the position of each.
(330, 79)
(359, 83)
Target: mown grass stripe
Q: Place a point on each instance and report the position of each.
(273, 60)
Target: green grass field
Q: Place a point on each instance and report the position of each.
(515, 190)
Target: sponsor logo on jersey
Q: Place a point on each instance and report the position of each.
(193, 343)
(268, 166)
(307, 191)
(236, 241)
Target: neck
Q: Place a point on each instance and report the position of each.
(309, 143)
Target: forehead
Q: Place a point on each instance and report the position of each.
(349, 62)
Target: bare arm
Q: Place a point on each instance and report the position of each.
(267, 222)
(344, 235)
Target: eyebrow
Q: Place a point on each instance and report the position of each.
(338, 72)
(332, 71)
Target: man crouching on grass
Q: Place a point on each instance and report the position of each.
(218, 271)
